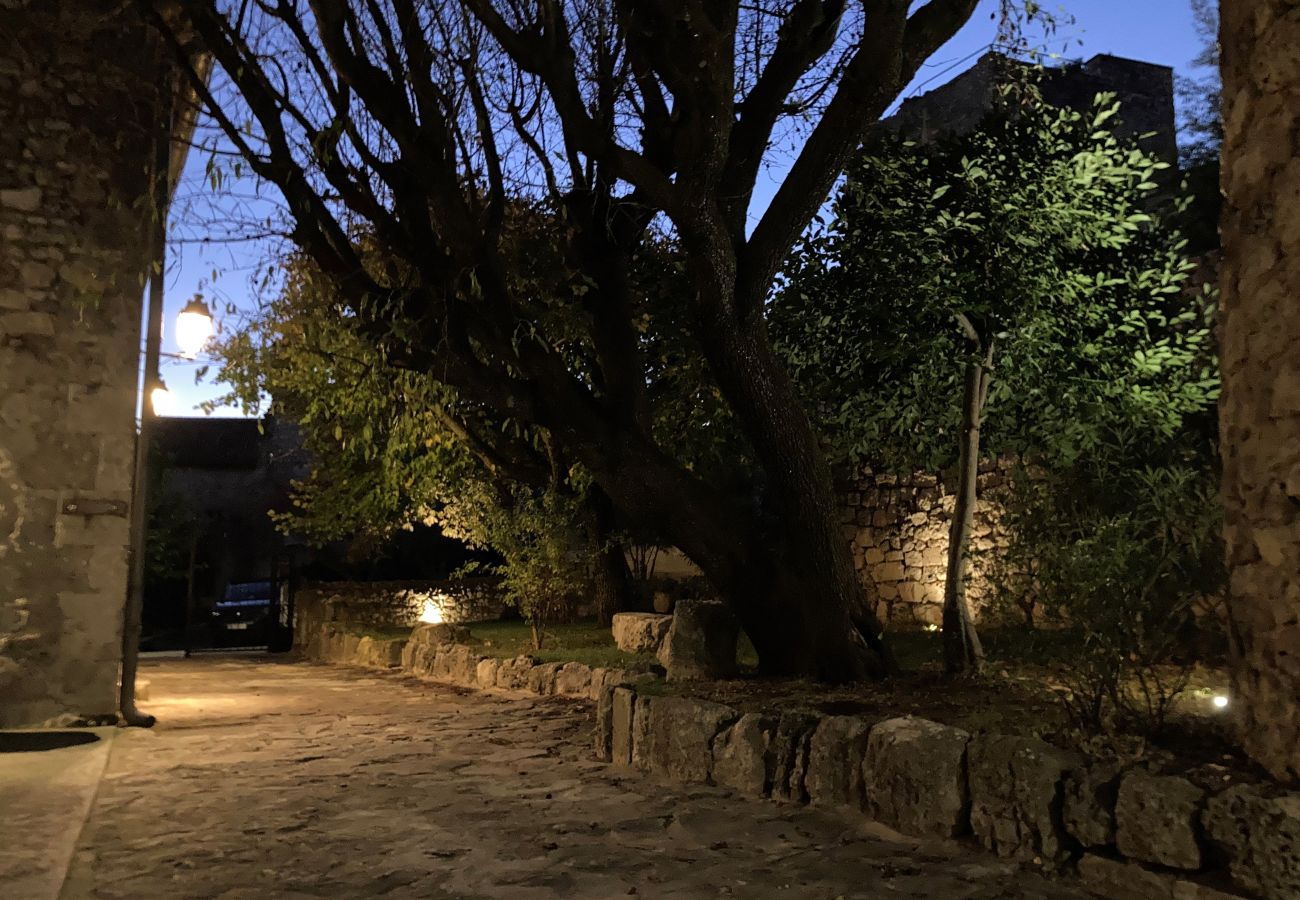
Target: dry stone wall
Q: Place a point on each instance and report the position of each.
(1260, 358)
(77, 106)
(898, 526)
(385, 604)
(1130, 831)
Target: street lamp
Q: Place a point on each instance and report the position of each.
(193, 327)
(161, 400)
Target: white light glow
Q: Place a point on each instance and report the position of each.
(1220, 701)
(193, 327)
(162, 401)
(932, 627)
(432, 613)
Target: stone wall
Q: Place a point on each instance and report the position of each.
(440, 653)
(1132, 830)
(77, 103)
(1260, 409)
(397, 604)
(898, 528)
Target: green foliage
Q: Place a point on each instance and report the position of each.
(1124, 548)
(541, 537)
(1036, 229)
(393, 447)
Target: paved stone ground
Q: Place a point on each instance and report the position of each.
(275, 779)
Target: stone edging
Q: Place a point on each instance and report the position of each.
(1131, 833)
(431, 653)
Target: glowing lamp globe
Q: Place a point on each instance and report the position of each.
(193, 327)
(162, 401)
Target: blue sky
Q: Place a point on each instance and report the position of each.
(1159, 31)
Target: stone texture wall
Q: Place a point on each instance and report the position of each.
(389, 604)
(1260, 410)
(1131, 828)
(898, 528)
(77, 107)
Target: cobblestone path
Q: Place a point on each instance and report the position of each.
(276, 779)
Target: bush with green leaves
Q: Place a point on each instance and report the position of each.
(547, 561)
(1122, 547)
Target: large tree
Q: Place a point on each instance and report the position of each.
(421, 120)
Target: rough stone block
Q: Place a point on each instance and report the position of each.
(573, 680)
(701, 642)
(1156, 819)
(623, 702)
(914, 777)
(790, 756)
(21, 199)
(640, 632)
(1016, 796)
(541, 680)
(680, 732)
(512, 674)
(1089, 810)
(741, 757)
(20, 323)
(835, 751)
(1115, 879)
(641, 716)
(602, 737)
(1258, 832)
(485, 673)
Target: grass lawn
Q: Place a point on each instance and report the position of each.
(381, 632)
(585, 641)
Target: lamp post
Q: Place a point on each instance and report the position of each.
(194, 331)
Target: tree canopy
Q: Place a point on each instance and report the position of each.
(419, 122)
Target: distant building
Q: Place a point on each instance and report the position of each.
(218, 480)
(1144, 90)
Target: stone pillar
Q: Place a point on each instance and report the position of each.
(78, 106)
(1260, 409)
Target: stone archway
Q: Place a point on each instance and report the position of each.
(1260, 409)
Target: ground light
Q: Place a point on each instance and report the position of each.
(1220, 701)
(431, 613)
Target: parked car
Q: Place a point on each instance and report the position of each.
(244, 617)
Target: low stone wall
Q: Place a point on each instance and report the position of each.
(898, 529)
(433, 653)
(1132, 833)
(388, 604)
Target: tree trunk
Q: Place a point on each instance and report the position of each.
(962, 651)
(810, 594)
(613, 581)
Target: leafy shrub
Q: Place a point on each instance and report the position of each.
(1123, 548)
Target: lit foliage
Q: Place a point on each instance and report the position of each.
(1035, 227)
(393, 447)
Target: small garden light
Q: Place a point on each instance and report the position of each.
(1220, 701)
(193, 327)
(432, 613)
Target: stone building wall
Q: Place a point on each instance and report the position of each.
(898, 528)
(1260, 358)
(1144, 90)
(76, 120)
